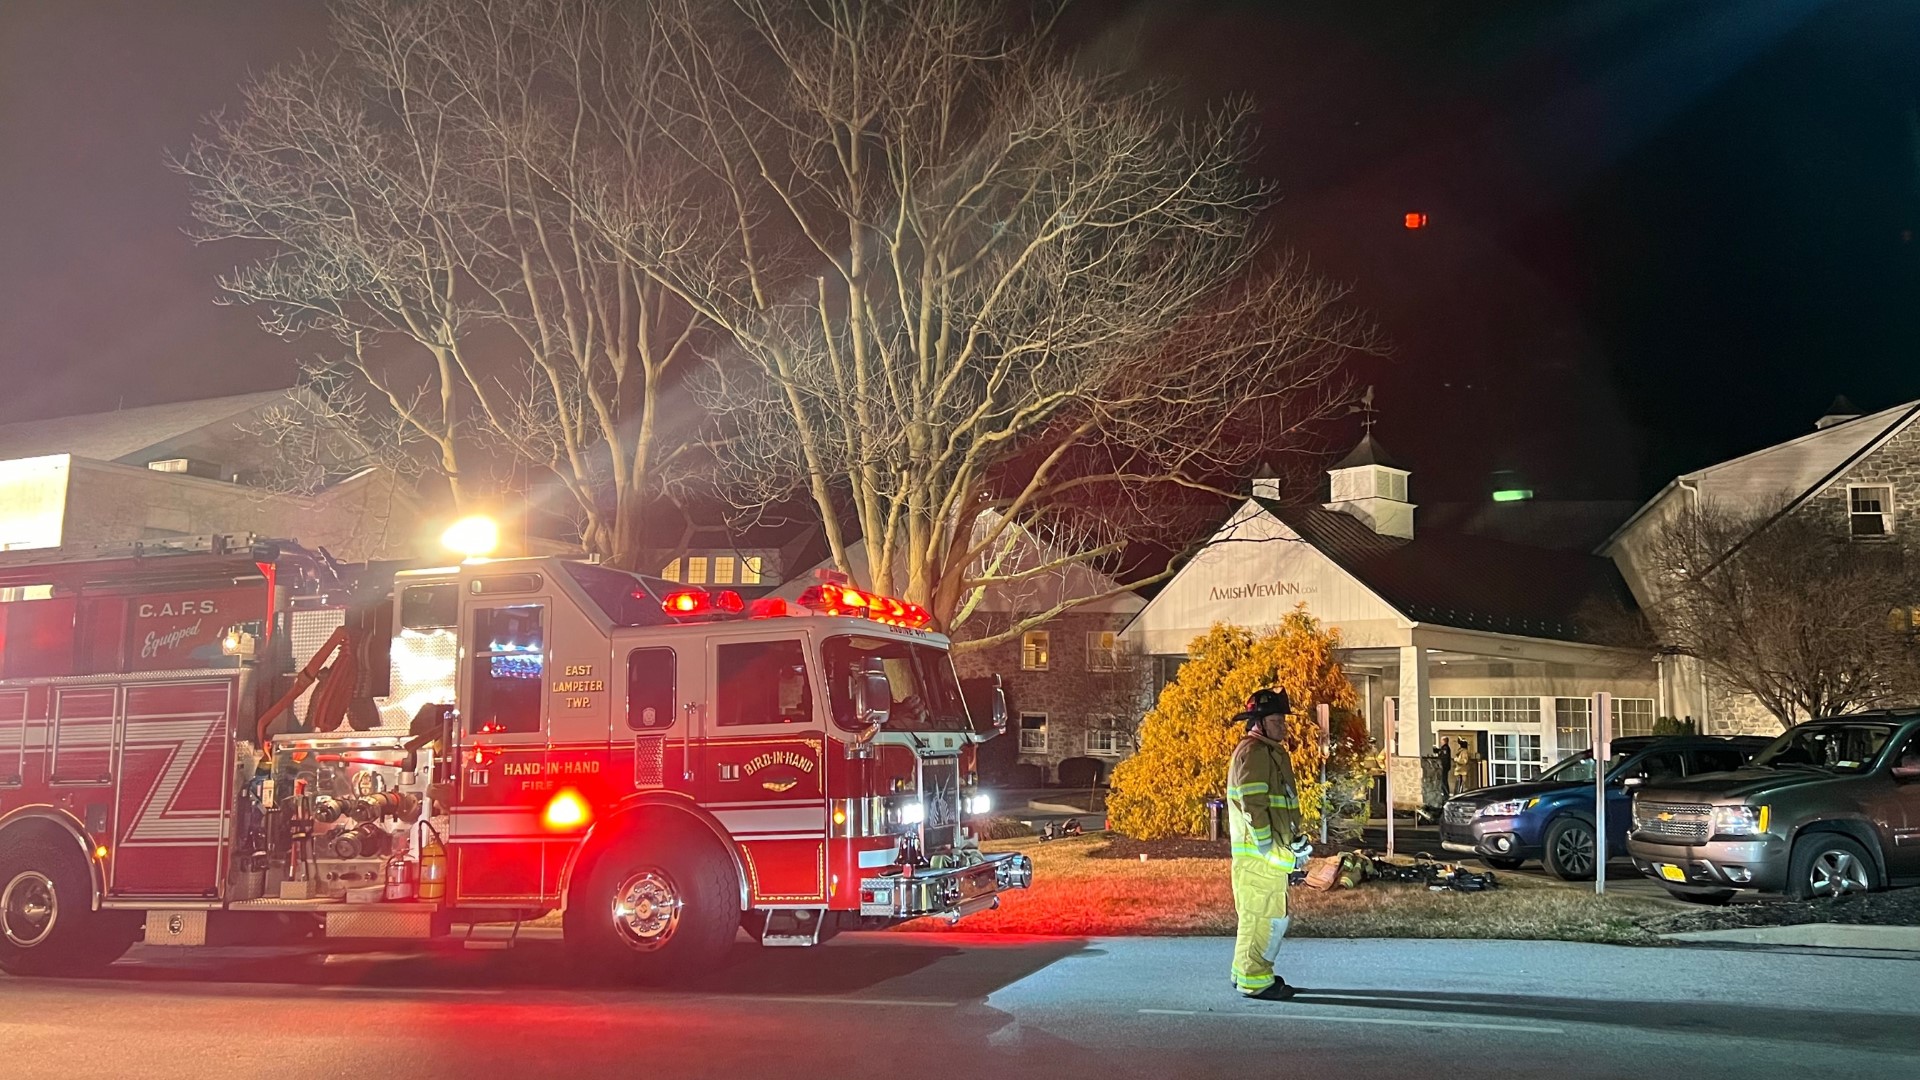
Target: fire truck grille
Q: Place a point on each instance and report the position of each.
(940, 788)
(649, 761)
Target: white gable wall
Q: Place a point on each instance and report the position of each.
(1252, 573)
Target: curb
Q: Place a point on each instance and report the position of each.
(1062, 808)
(1814, 935)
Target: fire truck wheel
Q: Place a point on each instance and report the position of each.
(47, 925)
(660, 906)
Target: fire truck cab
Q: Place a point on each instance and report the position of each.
(204, 744)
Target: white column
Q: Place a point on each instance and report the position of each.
(1415, 730)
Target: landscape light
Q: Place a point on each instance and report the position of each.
(1513, 495)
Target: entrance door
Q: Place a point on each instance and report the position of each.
(503, 754)
(765, 764)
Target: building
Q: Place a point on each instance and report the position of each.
(182, 469)
(1859, 472)
(1494, 643)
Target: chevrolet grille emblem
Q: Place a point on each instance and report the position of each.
(1664, 816)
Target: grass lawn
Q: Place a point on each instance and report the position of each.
(1075, 894)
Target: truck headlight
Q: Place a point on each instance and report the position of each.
(980, 804)
(1739, 820)
(1507, 808)
(909, 812)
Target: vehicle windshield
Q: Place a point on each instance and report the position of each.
(1840, 748)
(926, 691)
(1578, 769)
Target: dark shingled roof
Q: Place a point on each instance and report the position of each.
(1369, 452)
(1469, 582)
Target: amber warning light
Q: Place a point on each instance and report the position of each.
(1416, 220)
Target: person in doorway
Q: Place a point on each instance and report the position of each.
(1466, 764)
(1263, 822)
(1443, 754)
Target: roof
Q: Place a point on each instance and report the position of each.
(1787, 472)
(125, 433)
(1561, 524)
(1369, 452)
(1468, 582)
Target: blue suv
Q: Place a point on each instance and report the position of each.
(1551, 819)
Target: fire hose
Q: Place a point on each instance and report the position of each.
(332, 695)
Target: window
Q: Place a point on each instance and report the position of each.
(509, 665)
(1034, 651)
(1870, 511)
(762, 682)
(1632, 716)
(1108, 741)
(719, 570)
(1572, 725)
(1033, 733)
(430, 607)
(1658, 767)
(1715, 759)
(1514, 758)
(650, 676)
(1106, 652)
(923, 685)
(1475, 711)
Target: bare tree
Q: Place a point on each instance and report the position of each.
(417, 194)
(981, 306)
(1780, 607)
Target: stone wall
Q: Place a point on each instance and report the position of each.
(1074, 696)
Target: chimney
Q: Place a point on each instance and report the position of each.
(1367, 484)
(1266, 482)
(1839, 412)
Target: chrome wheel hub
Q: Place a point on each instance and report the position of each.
(1836, 872)
(646, 908)
(29, 907)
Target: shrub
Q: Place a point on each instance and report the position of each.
(1185, 741)
(1002, 828)
(1667, 725)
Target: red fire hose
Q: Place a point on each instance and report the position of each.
(334, 693)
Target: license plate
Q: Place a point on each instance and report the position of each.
(1672, 873)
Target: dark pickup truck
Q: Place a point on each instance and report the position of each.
(1831, 806)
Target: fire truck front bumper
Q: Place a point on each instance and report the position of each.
(952, 894)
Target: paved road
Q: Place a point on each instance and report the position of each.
(962, 1005)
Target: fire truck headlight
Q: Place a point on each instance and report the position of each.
(981, 803)
(473, 537)
(911, 813)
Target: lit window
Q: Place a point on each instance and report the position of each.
(1632, 716)
(1035, 653)
(1103, 651)
(1033, 733)
(672, 572)
(751, 569)
(1870, 511)
(722, 570)
(696, 571)
(1515, 757)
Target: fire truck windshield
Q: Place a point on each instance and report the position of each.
(926, 692)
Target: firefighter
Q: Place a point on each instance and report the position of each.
(1264, 823)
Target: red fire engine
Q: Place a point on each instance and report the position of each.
(197, 744)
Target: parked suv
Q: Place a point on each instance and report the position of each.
(1831, 806)
(1551, 819)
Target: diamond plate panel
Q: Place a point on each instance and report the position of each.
(380, 924)
(649, 761)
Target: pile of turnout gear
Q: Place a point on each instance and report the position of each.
(1348, 869)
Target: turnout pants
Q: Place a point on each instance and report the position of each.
(1260, 899)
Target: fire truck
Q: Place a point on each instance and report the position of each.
(208, 742)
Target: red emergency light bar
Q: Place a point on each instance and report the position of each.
(827, 599)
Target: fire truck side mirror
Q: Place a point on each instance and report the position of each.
(873, 695)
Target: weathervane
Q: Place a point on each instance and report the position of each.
(1365, 408)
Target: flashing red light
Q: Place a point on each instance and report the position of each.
(566, 810)
(728, 602)
(1416, 220)
(686, 602)
(770, 607)
(831, 599)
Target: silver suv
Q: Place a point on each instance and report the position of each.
(1831, 806)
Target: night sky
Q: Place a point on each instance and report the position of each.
(1660, 234)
